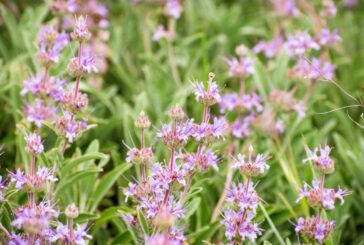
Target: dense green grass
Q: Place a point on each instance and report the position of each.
(140, 78)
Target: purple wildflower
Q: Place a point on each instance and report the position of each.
(164, 239)
(315, 228)
(322, 161)
(35, 219)
(228, 102)
(69, 127)
(51, 44)
(52, 87)
(300, 43)
(234, 101)
(241, 67)
(15, 239)
(208, 132)
(243, 196)
(34, 143)
(89, 64)
(318, 196)
(80, 30)
(315, 70)
(161, 33)
(285, 101)
(18, 178)
(269, 48)
(326, 37)
(202, 160)
(329, 9)
(31, 85)
(350, 3)
(253, 166)
(173, 8)
(62, 234)
(64, 6)
(39, 113)
(285, 7)
(236, 224)
(176, 135)
(209, 95)
(241, 127)
(131, 191)
(32, 182)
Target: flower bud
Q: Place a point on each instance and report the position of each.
(142, 121)
(241, 50)
(34, 144)
(211, 76)
(324, 165)
(48, 36)
(177, 113)
(75, 68)
(75, 105)
(80, 30)
(71, 211)
(137, 156)
(44, 59)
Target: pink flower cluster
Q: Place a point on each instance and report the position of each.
(160, 193)
(317, 227)
(243, 200)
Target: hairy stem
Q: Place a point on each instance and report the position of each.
(78, 77)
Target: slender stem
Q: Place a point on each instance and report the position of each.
(247, 185)
(246, 190)
(6, 232)
(32, 165)
(205, 113)
(205, 117)
(171, 161)
(322, 182)
(70, 229)
(228, 181)
(78, 77)
(79, 53)
(241, 88)
(142, 148)
(45, 78)
(32, 173)
(229, 177)
(64, 146)
(171, 57)
(31, 193)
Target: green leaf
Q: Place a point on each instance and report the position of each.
(68, 166)
(74, 178)
(276, 232)
(192, 207)
(85, 217)
(123, 238)
(143, 222)
(105, 184)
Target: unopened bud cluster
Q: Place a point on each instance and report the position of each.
(142, 121)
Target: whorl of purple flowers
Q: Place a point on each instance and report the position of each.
(243, 200)
(318, 228)
(157, 192)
